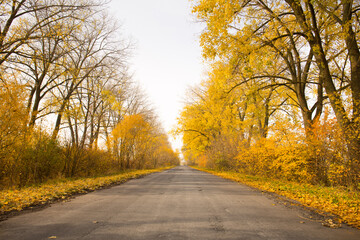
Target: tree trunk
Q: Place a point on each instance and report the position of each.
(348, 127)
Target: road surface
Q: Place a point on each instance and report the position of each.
(181, 203)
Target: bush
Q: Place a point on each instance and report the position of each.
(222, 153)
(40, 159)
(80, 162)
(320, 158)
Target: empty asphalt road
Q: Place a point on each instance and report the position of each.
(180, 203)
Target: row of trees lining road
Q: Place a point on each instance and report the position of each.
(282, 95)
(66, 95)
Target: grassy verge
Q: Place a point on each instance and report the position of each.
(19, 199)
(342, 203)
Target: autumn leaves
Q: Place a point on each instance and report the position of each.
(64, 89)
(282, 91)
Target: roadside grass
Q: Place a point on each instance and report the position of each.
(343, 204)
(19, 199)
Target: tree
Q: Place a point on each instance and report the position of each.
(310, 22)
(264, 47)
(64, 63)
(12, 126)
(313, 49)
(136, 142)
(23, 19)
(93, 49)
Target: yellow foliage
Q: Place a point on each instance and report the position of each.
(13, 120)
(18, 199)
(12, 112)
(265, 95)
(202, 161)
(336, 200)
(135, 143)
(272, 159)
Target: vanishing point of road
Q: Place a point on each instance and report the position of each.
(180, 203)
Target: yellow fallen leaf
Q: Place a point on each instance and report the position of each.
(52, 237)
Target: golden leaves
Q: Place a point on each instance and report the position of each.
(259, 56)
(18, 199)
(137, 141)
(331, 224)
(335, 200)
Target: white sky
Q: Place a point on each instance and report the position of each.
(167, 56)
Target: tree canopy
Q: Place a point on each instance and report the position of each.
(281, 73)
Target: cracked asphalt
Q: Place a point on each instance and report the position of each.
(181, 203)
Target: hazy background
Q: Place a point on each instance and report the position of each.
(167, 55)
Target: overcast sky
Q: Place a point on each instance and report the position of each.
(167, 55)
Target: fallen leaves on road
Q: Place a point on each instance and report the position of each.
(331, 224)
(343, 203)
(18, 199)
